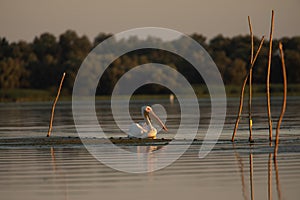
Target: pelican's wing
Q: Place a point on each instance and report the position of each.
(136, 130)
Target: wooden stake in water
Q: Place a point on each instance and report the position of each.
(54, 104)
(268, 77)
(284, 96)
(250, 81)
(243, 89)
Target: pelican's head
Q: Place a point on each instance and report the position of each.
(148, 114)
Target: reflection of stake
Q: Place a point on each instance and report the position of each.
(251, 176)
(284, 97)
(277, 177)
(270, 177)
(268, 77)
(243, 178)
(243, 89)
(57, 172)
(241, 166)
(54, 104)
(250, 82)
(53, 159)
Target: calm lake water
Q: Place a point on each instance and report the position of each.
(229, 171)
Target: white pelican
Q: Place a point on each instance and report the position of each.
(146, 129)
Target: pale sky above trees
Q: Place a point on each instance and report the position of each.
(27, 19)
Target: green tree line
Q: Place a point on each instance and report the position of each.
(39, 64)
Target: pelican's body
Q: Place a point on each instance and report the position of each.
(142, 130)
(145, 129)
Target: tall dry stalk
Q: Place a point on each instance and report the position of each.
(54, 104)
(243, 89)
(268, 77)
(250, 81)
(284, 96)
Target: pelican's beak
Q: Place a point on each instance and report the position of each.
(157, 119)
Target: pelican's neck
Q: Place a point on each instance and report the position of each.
(147, 119)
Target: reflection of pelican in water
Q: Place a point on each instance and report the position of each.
(144, 149)
(146, 129)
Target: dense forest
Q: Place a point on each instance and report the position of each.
(39, 64)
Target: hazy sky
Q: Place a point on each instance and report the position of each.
(25, 19)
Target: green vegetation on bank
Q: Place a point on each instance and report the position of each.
(26, 95)
(32, 70)
(39, 64)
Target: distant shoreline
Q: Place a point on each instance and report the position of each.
(31, 95)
